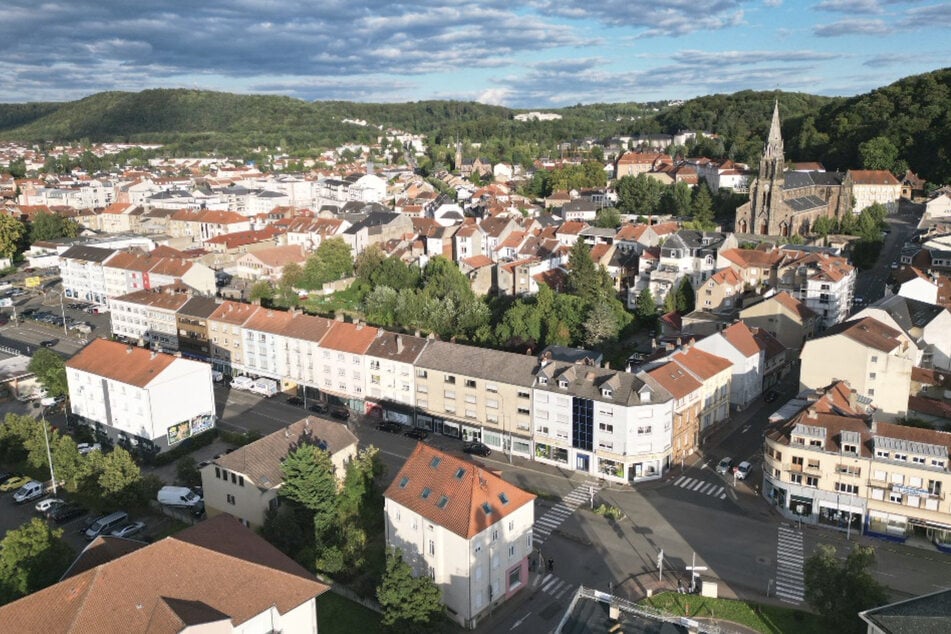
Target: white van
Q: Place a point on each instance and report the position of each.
(106, 524)
(242, 383)
(181, 497)
(29, 491)
(265, 387)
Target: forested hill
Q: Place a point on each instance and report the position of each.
(906, 123)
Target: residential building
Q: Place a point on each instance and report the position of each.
(928, 325)
(824, 283)
(688, 396)
(81, 269)
(875, 186)
(225, 331)
(342, 363)
(192, 323)
(476, 394)
(875, 359)
(715, 375)
(140, 398)
(149, 317)
(216, 576)
(390, 374)
(610, 424)
(737, 344)
(723, 291)
(269, 263)
(784, 317)
(687, 254)
(246, 482)
(466, 528)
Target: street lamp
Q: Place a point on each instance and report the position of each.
(49, 454)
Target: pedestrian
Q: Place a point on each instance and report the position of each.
(551, 565)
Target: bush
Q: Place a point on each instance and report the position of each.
(610, 512)
(238, 439)
(186, 447)
(187, 472)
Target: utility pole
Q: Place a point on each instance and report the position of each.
(660, 565)
(694, 569)
(62, 310)
(49, 455)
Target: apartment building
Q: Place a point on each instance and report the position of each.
(81, 269)
(192, 323)
(140, 398)
(246, 482)
(687, 393)
(715, 375)
(784, 317)
(833, 465)
(610, 424)
(465, 527)
(738, 345)
(824, 283)
(875, 359)
(149, 318)
(226, 335)
(476, 394)
(342, 363)
(390, 374)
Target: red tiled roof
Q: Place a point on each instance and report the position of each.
(700, 363)
(673, 379)
(347, 337)
(741, 337)
(120, 362)
(469, 491)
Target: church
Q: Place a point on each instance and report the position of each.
(787, 203)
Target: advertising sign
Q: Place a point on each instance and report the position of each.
(202, 423)
(32, 282)
(178, 432)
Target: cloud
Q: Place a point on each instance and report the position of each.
(853, 27)
(721, 58)
(890, 59)
(772, 3)
(652, 18)
(937, 15)
(850, 6)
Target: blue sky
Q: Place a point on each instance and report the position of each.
(530, 54)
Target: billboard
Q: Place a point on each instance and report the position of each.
(185, 429)
(32, 282)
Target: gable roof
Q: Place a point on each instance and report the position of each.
(123, 363)
(260, 461)
(741, 337)
(469, 490)
(868, 332)
(671, 377)
(347, 337)
(215, 569)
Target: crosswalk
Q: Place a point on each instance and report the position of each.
(552, 585)
(790, 586)
(551, 520)
(703, 487)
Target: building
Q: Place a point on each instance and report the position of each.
(784, 317)
(81, 269)
(688, 403)
(149, 317)
(832, 464)
(787, 203)
(246, 482)
(226, 332)
(140, 398)
(917, 614)
(824, 283)
(610, 424)
(875, 359)
(391, 375)
(465, 527)
(737, 344)
(192, 323)
(216, 576)
(269, 263)
(716, 376)
(875, 186)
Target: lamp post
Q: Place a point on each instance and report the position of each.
(49, 454)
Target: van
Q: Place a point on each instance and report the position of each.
(182, 497)
(265, 387)
(29, 491)
(242, 383)
(106, 524)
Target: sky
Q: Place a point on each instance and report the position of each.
(531, 54)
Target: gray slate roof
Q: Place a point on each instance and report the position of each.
(480, 363)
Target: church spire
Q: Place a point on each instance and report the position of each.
(774, 144)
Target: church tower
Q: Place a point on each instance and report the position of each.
(761, 216)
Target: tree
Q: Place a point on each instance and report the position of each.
(839, 591)
(331, 261)
(701, 208)
(309, 480)
(261, 291)
(49, 226)
(120, 480)
(639, 194)
(601, 325)
(878, 153)
(583, 278)
(607, 218)
(646, 306)
(676, 199)
(11, 234)
(685, 297)
(186, 471)
(32, 557)
(823, 226)
(409, 603)
(50, 369)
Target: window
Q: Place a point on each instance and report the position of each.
(847, 448)
(812, 481)
(460, 472)
(240, 481)
(851, 489)
(217, 473)
(934, 487)
(432, 547)
(606, 428)
(491, 387)
(488, 511)
(450, 379)
(798, 460)
(230, 499)
(894, 498)
(871, 376)
(505, 499)
(523, 394)
(234, 478)
(470, 383)
(881, 453)
(470, 413)
(524, 411)
(492, 404)
(874, 359)
(449, 393)
(644, 429)
(421, 374)
(426, 493)
(795, 478)
(403, 482)
(435, 462)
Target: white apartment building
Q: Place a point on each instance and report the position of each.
(690, 254)
(341, 365)
(468, 529)
(148, 317)
(391, 375)
(607, 423)
(81, 269)
(824, 283)
(737, 345)
(140, 398)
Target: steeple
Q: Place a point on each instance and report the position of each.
(774, 144)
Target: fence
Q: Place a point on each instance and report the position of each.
(629, 607)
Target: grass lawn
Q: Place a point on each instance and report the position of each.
(347, 301)
(337, 615)
(762, 618)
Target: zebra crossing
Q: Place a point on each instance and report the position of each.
(552, 585)
(551, 520)
(697, 485)
(790, 586)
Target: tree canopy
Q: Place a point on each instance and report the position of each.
(32, 557)
(410, 603)
(839, 590)
(50, 369)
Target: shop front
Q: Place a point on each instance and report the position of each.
(841, 515)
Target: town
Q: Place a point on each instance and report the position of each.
(555, 396)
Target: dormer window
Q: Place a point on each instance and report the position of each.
(563, 384)
(607, 393)
(543, 380)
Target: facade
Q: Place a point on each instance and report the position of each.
(824, 283)
(875, 186)
(81, 269)
(226, 335)
(784, 317)
(737, 345)
(391, 375)
(216, 576)
(610, 424)
(139, 398)
(245, 483)
(342, 365)
(149, 317)
(476, 394)
(688, 402)
(716, 376)
(192, 323)
(832, 465)
(465, 527)
(875, 359)
(723, 291)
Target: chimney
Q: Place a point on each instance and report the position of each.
(853, 399)
(153, 355)
(338, 317)
(607, 365)
(360, 325)
(399, 344)
(128, 349)
(416, 334)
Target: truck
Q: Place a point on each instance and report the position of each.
(265, 387)
(181, 498)
(242, 383)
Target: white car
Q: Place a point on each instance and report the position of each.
(85, 448)
(128, 530)
(44, 505)
(743, 470)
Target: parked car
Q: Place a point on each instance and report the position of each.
(725, 465)
(32, 490)
(389, 426)
(64, 512)
(743, 470)
(128, 530)
(106, 524)
(340, 412)
(295, 400)
(416, 432)
(49, 343)
(44, 506)
(318, 407)
(14, 483)
(476, 449)
(5, 475)
(87, 448)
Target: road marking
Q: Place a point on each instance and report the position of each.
(520, 621)
(790, 586)
(745, 429)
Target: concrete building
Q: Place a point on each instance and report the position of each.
(465, 527)
(390, 374)
(737, 345)
(140, 398)
(81, 269)
(246, 482)
(784, 317)
(226, 334)
(149, 317)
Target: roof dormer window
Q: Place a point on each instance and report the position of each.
(563, 384)
(607, 393)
